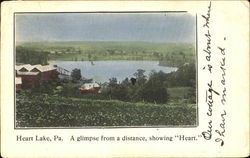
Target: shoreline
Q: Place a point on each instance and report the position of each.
(160, 63)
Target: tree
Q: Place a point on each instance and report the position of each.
(140, 77)
(153, 91)
(31, 56)
(125, 81)
(119, 92)
(115, 90)
(76, 74)
(112, 81)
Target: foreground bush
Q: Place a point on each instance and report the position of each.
(54, 111)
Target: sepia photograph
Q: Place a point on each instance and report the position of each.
(105, 69)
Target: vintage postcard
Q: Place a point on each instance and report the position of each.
(125, 79)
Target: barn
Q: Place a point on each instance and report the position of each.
(35, 74)
(47, 72)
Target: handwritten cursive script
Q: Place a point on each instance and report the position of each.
(221, 130)
(208, 36)
(207, 17)
(216, 112)
(210, 101)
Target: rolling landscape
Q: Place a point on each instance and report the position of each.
(119, 104)
(102, 70)
(172, 53)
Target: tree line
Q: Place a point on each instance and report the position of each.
(31, 56)
(140, 88)
(152, 89)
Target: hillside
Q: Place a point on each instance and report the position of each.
(173, 53)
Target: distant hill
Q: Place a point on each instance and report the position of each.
(176, 53)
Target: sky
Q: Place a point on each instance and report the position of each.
(148, 27)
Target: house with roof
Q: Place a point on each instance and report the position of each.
(90, 88)
(35, 74)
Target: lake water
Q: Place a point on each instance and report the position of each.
(102, 71)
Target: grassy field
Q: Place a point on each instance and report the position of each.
(83, 50)
(177, 93)
(54, 111)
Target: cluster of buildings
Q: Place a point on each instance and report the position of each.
(28, 75)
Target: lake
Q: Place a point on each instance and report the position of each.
(102, 71)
